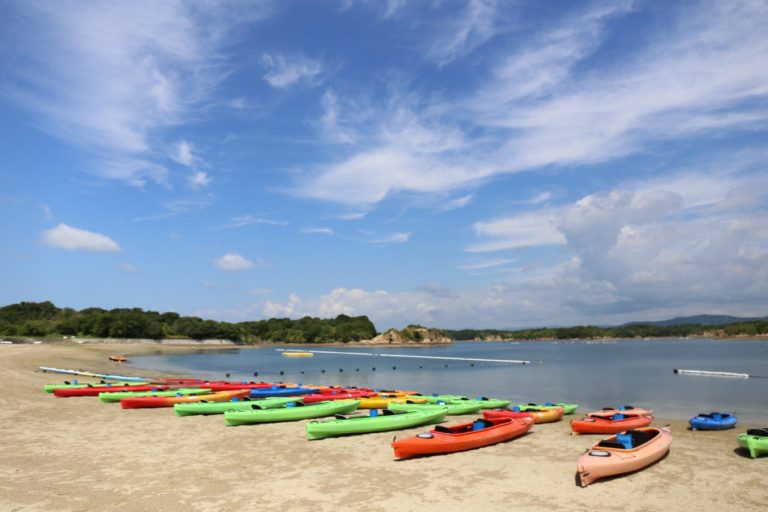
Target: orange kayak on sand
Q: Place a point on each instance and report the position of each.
(539, 415)
(145, 402)
(623, 453)
(465, 436)
(609, 424)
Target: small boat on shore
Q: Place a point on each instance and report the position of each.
(485, 402)
(454, 408)
(324, 397)
(95, 390)
(713, 421)
(465, 436)
(609, 424)
(383, 400)
(539, 415)
(235, 404)
(48, 388)
(116, 396)
(755, 441)
(151, 402)
(623, 453)
(567, 408)
(384, 421)
(290, 412)
(629, 410)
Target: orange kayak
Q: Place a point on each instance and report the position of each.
(612, 424)
(539, 415)
(623, 453)
(144, 402)
(624, 409)
(465, 436)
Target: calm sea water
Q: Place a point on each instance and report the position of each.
(594, 375)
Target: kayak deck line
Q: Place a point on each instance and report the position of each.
(442, 358)
(706, 373)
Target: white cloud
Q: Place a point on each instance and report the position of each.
(283, 72)
(144, 73)
(233, 262)
(482, 265)
(394, 238)
(47, 211)
(127, 267)
(521, 230)
(74, 239)
(199, 179)
(248, 220)
(317, 231)
(553, 103)
(474, 26)
(183, 154)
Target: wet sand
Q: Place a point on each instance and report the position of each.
(80, 454)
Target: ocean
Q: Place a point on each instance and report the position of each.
(592, 374)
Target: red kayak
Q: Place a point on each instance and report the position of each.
(151, 402)
(611, 424)
(94, 391)
(230, 386)
(466, 436)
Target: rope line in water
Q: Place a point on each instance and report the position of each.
(443, 358)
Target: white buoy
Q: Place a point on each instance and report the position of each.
(705, 373)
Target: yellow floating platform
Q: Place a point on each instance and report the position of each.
(298, 354)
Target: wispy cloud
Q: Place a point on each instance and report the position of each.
(144, 73)
(540, 109)
(394, 238)
(481, 265)
(522, 230)
(283, 72)
(248, 220)
(76, 239)
(127, 267)
(474, 25)
(317, 231)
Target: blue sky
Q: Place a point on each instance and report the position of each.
(457, 164)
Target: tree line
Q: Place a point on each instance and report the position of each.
(624, 331)
(45, 319)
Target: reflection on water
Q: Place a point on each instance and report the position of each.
(636, 372)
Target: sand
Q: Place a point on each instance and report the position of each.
(78, 454)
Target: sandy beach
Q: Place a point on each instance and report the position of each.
(80, 454)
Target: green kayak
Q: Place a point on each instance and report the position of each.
(756, 441)
(290, 412)
(567, 408)
(119, 395)
(454, 408)
(204, 407)
(485, 402)
(48, 388)
(380, 422)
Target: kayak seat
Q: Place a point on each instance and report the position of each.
(759, 432)
(610, 444)
(641, 436)
(442, 428)
(387, 412)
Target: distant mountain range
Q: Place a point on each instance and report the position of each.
(700, 320)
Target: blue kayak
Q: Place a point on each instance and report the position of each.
(276, 391)
(713, 421)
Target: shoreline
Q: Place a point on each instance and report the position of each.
(85, 455)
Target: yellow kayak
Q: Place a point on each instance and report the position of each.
(381, 402)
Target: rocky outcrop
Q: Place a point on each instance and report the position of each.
(411, 335)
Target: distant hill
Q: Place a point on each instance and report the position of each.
(700, 320)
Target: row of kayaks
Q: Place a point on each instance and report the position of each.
(332, 412)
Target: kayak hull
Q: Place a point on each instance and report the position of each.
(370, 424)
(755, 442)
(713, 421)
(454, 408)
(600, 425)
(567, 408)
(242, 404)
(609, 458)
(539, 415)
(151, 402)
(109, 398)
(95, 390)
(299, 412)
(461, 437)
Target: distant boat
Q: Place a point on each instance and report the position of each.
(298, 354)
(118, 359)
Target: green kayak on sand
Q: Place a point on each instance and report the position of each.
(49, 388)
(485, 402)
(755, 440)
(383, 421)
(290, 412)
(454, 408)
(243, 404)
(116, 396)
(567, 408)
